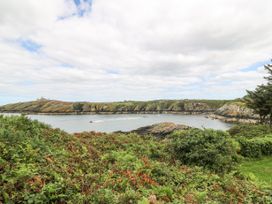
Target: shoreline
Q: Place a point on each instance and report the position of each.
(113, 113)
(208, 114)
(229, 119)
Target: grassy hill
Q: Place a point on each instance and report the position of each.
(39, 164)
(53, 106)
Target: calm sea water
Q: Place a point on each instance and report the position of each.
(124, 122)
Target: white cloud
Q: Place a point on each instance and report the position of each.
(133, 49)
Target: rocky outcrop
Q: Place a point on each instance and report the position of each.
(160, 129)
(235, 112)
(233, 119)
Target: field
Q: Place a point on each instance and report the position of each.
(259, 170)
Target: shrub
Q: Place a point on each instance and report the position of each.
(208, 148)
(256, 147)
(249, 130)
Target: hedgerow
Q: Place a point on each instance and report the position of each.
(256, 147)
(250, 130)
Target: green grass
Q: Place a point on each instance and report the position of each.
(260, 170)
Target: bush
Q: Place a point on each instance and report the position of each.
(208, 148)
(249, 130)
(256, 147)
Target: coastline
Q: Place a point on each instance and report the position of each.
(112, 113)
(229, 119)
(210, 114)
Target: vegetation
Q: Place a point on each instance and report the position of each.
(255, 140)
(259, 170)
(211, 149)
(78, 107)
(260, 100)
(250, 131)
(52, 106)
(39, 164)
(256, 147)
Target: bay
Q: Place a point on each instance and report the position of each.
(124, 122)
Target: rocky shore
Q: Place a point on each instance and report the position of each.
(228, 119)
(160, 130)
(235, 112)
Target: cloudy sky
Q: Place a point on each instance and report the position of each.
(103, 50)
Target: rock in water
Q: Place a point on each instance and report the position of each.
(160, 129)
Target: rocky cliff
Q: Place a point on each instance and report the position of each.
(235, 112)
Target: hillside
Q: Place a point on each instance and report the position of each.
(39, 164)
(60, 107)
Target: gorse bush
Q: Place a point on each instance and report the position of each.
(250, 130)
(256, 147)
(208, 148)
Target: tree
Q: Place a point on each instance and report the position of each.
(78, 107)
(260, 100)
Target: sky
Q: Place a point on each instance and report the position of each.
(102, 50)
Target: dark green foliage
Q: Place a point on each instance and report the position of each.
(78, 107)
(255, 140)
(250, 130)
(208, 148)
(256, 147)
(39, 164)
(260, 100)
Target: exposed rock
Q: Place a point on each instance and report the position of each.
(235, 112)
(228, 119)
(160, 129)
